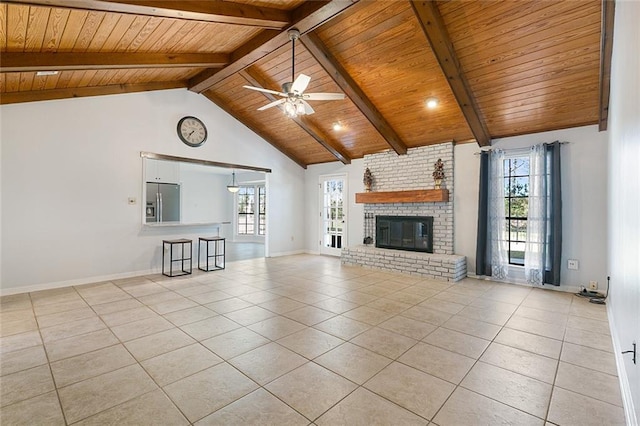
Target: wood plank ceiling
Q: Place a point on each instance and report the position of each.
(498, 68)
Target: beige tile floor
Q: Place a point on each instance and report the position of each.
(304, 340)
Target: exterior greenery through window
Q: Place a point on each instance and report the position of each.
(333, 215)
(248, 222)
(516, 206)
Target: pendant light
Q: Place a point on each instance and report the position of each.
(233, 187)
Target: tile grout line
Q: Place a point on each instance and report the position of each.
(121, 343)
(53, 379)
(306, 304)
(459, 385)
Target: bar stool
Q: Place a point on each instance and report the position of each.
(218, 253)
(182, 242)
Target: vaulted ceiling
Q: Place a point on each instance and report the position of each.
(498, 68)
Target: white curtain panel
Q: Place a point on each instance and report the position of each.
(535, 246)
(497, 221)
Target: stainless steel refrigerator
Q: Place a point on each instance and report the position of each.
(163, 202)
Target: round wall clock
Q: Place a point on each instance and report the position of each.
(192, 131)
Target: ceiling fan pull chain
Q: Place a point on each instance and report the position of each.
(293, 58)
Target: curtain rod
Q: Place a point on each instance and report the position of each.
(522, 148)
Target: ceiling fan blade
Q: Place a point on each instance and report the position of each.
(323, 96)
(260, 89)
(307, 108)
(301, 83)
(272, 104)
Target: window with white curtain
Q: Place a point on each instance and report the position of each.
(520, 214)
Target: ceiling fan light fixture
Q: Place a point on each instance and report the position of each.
(233, 187)
(295, 100)
(290, 109)
(300, 108)
(432, 103)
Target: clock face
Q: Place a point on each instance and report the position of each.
(192, 131)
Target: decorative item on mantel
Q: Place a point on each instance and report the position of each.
(438, 173)
(367, 180)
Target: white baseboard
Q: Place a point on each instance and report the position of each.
(317, 253)
(625, 388)
(566, 289)
(79, 281)
(100, 278)
(95, 279)
(286, 253)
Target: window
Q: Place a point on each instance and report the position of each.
(520, 214)
(248, 222)
(246, 202)
(516, 207)
(262, 209)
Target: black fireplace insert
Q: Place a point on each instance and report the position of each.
(413, 233)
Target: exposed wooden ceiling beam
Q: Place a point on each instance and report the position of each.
(207, 11)
(306, 17)
(606, 50)
(433, 26)
(255, 79)
(223, 105)
(319, 51)
(80, 92)
(45, 61)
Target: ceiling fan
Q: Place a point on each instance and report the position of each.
(294, 100)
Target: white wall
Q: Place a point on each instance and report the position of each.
(68, 167)
(624, 200)
(584, 200)
(465, 202)
(355, 212)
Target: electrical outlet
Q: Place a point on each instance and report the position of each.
(593, 285)
(572, 264)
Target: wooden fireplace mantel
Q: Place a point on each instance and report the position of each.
(413, 196)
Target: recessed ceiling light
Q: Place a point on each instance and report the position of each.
(432, 103)
(45, 73)
(337, 126)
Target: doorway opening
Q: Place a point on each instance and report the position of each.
(333, 214)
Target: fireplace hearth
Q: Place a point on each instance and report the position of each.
(411, 233)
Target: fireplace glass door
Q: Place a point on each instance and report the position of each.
(405, 233)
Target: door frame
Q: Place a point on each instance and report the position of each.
(250, 238)
(345, 212)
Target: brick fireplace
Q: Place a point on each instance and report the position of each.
(392, 172)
